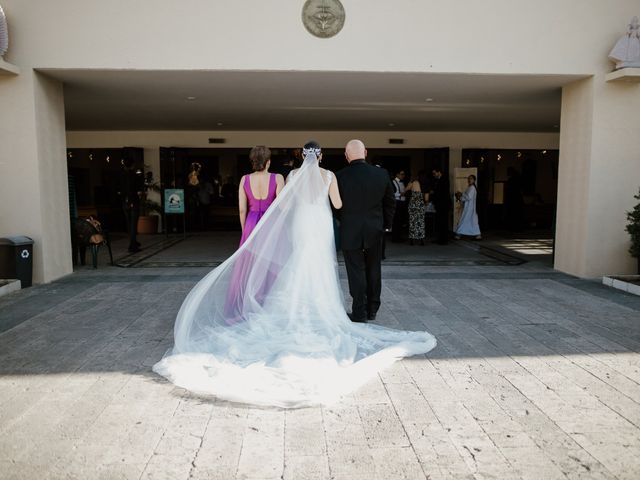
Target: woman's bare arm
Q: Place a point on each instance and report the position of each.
(279, 184)
(242, 203)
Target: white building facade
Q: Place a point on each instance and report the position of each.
(433, 72)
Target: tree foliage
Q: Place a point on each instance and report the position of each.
(633, 228)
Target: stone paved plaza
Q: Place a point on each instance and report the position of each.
(536, 376)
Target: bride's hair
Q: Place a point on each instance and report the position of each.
(311, 147)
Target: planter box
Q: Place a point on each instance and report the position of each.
(148, 224)
(8, 286)
(626, 283)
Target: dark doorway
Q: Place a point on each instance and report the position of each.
(224, 167)
(517, 189)
(96, 180)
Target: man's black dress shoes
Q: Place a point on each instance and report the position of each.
(356, 320)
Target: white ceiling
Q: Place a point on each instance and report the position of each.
(157, 100)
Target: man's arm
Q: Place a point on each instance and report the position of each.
(388, 205)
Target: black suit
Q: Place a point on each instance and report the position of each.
(132, 187)
(367, 210)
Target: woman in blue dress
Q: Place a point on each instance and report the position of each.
(468, 224)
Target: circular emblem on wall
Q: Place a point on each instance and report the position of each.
(323, 18)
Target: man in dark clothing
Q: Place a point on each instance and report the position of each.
(442, 202)
(367, 211)
(132, 192)
(513, 200)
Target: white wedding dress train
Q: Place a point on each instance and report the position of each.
(268, 326)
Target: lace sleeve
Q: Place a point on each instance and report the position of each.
(291, 174)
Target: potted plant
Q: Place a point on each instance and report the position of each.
(147, 222)
(633, 229)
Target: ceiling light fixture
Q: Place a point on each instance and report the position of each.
(392, 124)
(191, 98)
(220, 124)
(428, 99)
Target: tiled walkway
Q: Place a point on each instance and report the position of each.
(536, 375)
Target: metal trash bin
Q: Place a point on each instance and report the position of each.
(16, 259)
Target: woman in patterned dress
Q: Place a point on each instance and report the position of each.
(416, 212)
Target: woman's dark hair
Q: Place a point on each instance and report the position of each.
(259, 157)
(312, 144)
(474, 181)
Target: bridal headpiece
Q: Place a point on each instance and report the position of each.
(311, 151)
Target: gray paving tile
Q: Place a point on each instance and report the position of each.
(536, 375)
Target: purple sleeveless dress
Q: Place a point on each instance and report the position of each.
(257, 207)
(242, 270)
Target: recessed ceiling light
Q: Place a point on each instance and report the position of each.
(220, 124)
(392, 124)
(191, 98)
(556, 126)
(428, 99)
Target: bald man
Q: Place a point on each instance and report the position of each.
(367, 211)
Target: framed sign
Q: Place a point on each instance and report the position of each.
(173, 200)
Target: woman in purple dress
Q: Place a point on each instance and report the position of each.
(257, 190)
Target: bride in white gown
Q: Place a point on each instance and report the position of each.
(268, 326)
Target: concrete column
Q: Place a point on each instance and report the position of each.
(599, 173)
(33, 170)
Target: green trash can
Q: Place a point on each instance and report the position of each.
(16, 259)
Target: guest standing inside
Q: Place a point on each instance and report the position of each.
(442, 203)
(513, 200)
(468, 224)
(132, 192)
(416, 209)
(205, 191)
(257, 190)
(400, 216)
(228, 191)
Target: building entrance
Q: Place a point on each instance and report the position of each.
(210, 177)
(517, 189)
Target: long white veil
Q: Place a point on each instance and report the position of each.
(268, 326)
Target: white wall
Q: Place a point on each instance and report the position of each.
(489, 36)
(33, 173)
(599, 173)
